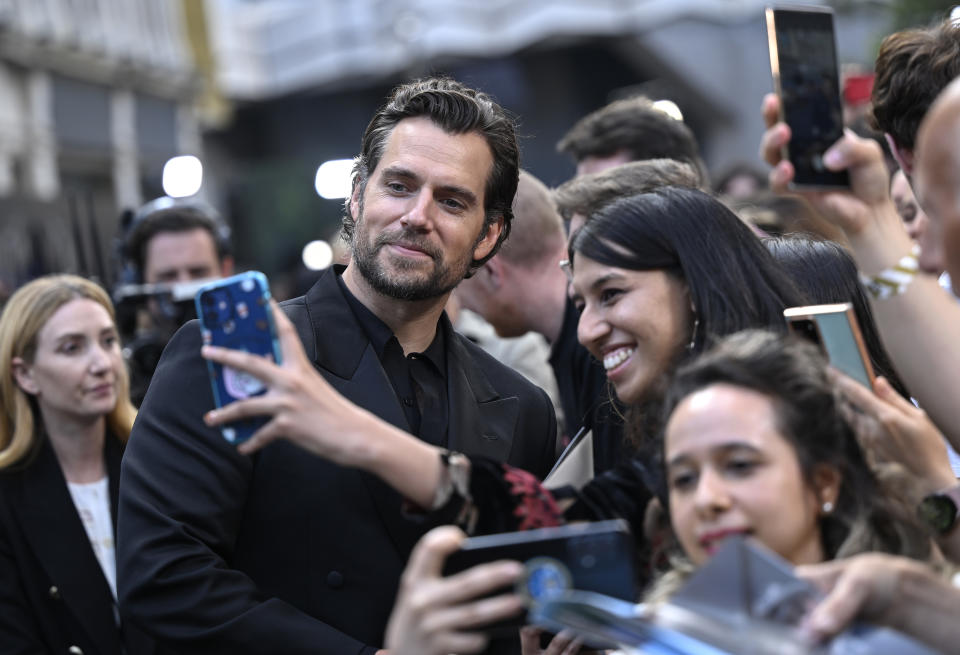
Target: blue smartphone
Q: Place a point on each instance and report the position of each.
(235, 313)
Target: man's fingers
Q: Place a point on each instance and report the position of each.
(247, 408)
(257, 366)
(472, 615)
(428, 556)
(460, 642)
(286, 333)
(265, 435)
(472, 583)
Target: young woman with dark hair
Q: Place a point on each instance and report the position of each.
(759, 441)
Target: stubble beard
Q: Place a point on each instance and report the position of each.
(403, 281)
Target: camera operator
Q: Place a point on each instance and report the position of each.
(170, 246)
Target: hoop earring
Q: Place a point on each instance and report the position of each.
(693, 334)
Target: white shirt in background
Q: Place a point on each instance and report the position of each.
(92, 501)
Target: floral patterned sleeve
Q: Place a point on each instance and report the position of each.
(507, 499)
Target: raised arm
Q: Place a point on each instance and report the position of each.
(919, 326)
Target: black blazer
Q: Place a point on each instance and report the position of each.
(284, 552)
(53, 595)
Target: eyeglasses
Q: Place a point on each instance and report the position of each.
(567, 269)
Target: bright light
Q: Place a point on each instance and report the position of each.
(182, 176)
(333, 179)
(670, 108)
(317, 255)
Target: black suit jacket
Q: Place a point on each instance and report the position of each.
(53, 595)
(284, 552)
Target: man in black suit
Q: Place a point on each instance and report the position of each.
(284, 552)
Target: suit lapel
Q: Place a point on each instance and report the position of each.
(341, 352)
(51, 524)
(481, 421)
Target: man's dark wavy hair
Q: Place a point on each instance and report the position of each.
(912, 68)
(457, 109)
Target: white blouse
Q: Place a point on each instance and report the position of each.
(92, 501)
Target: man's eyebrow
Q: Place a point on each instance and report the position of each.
(464, 193)
(399, 171)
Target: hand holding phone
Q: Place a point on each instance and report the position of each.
(235, 313)
(597, 557)
(803, 61)
(436, 614)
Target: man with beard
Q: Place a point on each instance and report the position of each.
(283, 552)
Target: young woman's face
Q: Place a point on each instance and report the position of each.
(730, 471)
(75, 371)
(634, 322)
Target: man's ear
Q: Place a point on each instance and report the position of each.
(23, 375)
(904, 156)
(355, 201)
(489, 239)
(492, 274)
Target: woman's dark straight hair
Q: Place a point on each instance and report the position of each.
(827, 274)
(734, 283)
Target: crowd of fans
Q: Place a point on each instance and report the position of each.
(404, 415)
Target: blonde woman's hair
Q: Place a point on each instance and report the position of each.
(25, 314)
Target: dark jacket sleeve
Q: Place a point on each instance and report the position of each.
(19, 631)
(182, 498)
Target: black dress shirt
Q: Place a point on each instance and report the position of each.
(419, 379)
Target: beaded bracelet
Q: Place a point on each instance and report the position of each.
(893, 281)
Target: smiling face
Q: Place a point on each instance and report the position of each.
(420, 221)
(77, 364)
(730, 470)
(635, 322)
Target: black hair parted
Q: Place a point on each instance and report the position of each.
(733, 281)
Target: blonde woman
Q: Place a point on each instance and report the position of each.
(66, 415)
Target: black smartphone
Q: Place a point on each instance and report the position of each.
(235, 313)
(835, 329)
(803, 60)
(597, 557)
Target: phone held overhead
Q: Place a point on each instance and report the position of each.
(803, 60)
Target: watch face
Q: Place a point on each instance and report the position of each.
(938, 511)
